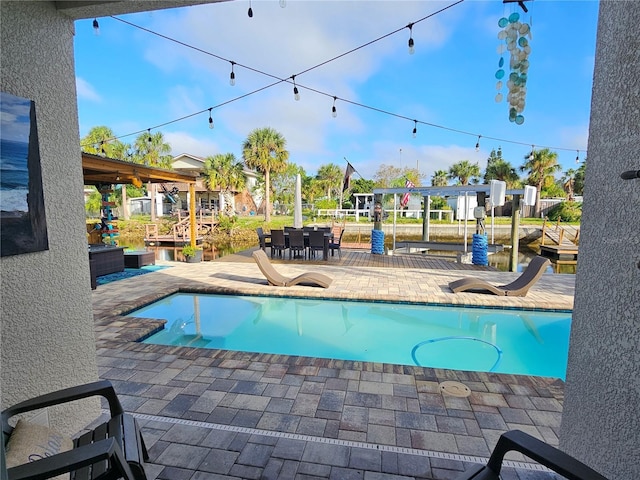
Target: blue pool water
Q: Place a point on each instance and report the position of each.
(477, 339)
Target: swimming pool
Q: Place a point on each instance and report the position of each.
(478, 339)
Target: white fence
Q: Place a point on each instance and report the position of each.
(340, 213)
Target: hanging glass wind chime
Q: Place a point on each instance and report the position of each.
(515, 36)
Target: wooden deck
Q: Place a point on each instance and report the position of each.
(559, 252)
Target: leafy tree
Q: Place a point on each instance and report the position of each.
(93, 204)
(311, 189)
(224, 172)
(330, 176)
(360, 185)
(500, 169)
(264, 149)
(101, 141)
(283, 184)
(152, 150)
(439, 178)
(542, 165)
(578, 185)
(464, 171)
(386, 175)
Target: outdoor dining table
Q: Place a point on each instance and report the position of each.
(328, 238)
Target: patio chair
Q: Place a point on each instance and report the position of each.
(296, 244)
(278, 243)
(517, 288)
(337, 239)
(543, 453)
(316, 242)
(276, 279)
(112, 450)
(264, 241)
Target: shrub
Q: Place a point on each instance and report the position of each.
(566, 211)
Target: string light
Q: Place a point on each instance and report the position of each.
(296, 94)
(232, 75)
(478, 144)
(96, 27)
(149, 135)
(280, 80)
(415, 128)
(210, 119)
(102, 147)
(412, 49)
(250, 11)
(577, 156)
(334, 112)
(283, 3)
(533, 147)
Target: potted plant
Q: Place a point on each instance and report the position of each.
(192, 254)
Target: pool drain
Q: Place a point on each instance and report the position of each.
(455, 389)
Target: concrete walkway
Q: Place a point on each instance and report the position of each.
(215, 414)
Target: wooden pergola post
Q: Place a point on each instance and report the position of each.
(192, 214)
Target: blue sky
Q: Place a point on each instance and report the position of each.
(131, 80)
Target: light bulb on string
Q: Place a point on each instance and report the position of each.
(415, 128)
(149, 135)
(250, 11)
(334, 112)
(533, 147)
(478, 144)
(577, 156)
(96, 27)
(283, 3)
(102, 148)
(411, 43)
(210, 119)
(296, 93)
(232, 75)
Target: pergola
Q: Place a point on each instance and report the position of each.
(99, 170)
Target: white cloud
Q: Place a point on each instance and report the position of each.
(183, 142)
(86, 91)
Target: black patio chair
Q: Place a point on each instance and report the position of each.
(278, 243)
(264, 241)
(335, 243)
(296, 244)
(541, 452)
(316, 242)
(112, 450)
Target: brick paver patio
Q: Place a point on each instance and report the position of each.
(215, 414)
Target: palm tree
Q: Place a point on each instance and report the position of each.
(101, 141)
(330, 177)
(464, 171)
(152, 150)
(264, 150)
(500, 169)
(439, 178)
(224, 172)
(541, 165)
(568, 183)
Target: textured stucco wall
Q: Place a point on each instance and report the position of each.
(601, 418)
(45, 307)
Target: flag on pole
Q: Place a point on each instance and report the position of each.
(346, 183)
(405, 198)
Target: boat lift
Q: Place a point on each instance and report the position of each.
(497, 188)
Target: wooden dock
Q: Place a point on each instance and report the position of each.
(559, 252)
(566, 241)
(178, 238)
